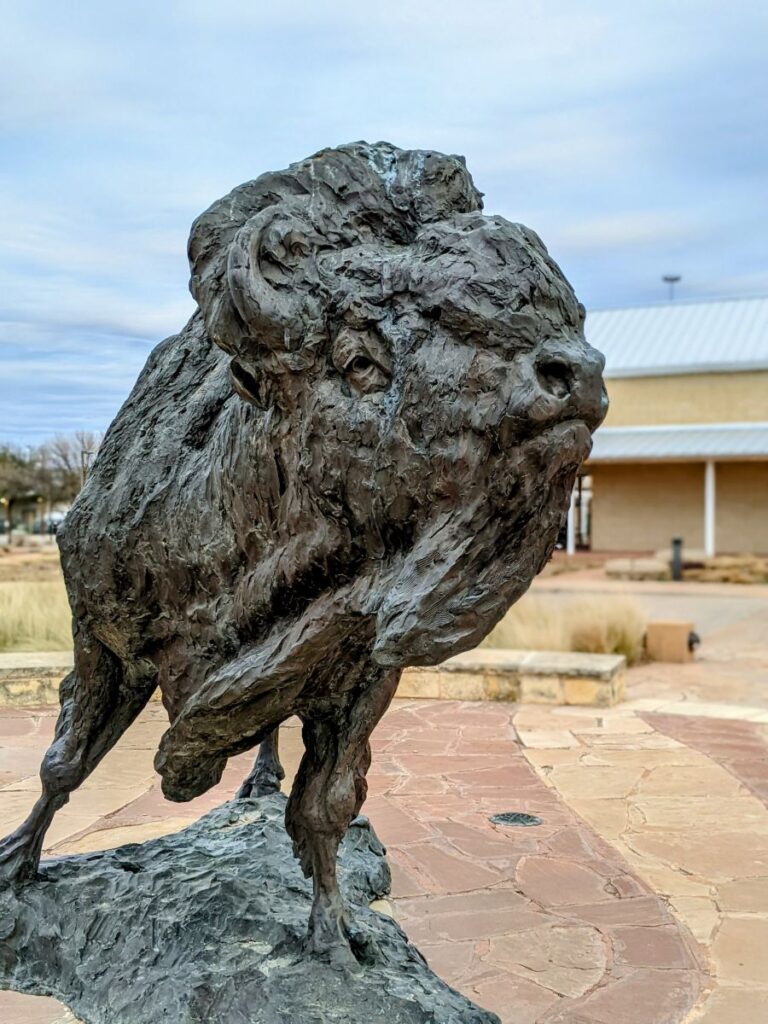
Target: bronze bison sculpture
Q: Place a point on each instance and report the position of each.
(355, 457)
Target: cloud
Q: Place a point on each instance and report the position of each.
(629, 137)
(628, 230)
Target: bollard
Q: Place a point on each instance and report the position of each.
(677, 558)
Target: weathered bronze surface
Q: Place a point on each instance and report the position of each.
(355, 457)
(207, 926)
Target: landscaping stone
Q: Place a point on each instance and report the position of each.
(637, 569)
(32, 679)
(535, 677)
(28, 680)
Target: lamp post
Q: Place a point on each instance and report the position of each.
(86, 454)
(671, 280)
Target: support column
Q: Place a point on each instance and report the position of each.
(570, 530)
(709, 508)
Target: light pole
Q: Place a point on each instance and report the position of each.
(671, 280)
(86, 454)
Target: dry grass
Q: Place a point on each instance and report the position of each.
(34, 616)
(31, 564)
(597, 625)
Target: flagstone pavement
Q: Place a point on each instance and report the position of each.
(642, 898)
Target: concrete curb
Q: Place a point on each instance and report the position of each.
(32, 678)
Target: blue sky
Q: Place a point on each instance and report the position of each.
(632, 137)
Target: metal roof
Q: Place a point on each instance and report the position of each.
(682, 337)
(712, 441)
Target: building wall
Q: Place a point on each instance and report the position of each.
(688, 398)
(741, 523)
(641, 507)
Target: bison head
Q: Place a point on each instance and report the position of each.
(423, 376)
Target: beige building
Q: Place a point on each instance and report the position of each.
(684, 448)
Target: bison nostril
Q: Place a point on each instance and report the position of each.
(556, 377)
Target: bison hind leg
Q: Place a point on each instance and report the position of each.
(267, 772)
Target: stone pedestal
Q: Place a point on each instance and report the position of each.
(207, 927)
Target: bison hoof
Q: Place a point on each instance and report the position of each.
(260, 784)
(333, 938)
(17, 861)
(335, 950)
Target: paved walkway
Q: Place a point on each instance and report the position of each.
(713, 607)
(642, 898)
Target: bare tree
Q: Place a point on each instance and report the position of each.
(67, 458)
(18, 483)
(52, 473)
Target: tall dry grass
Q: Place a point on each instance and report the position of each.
(34, 616)
(596, 625)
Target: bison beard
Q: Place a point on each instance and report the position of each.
(354, 458)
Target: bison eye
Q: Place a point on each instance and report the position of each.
(363, 359)
(245, 383)
(365, 376)
(360, 364)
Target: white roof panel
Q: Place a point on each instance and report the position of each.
(682, 337)
(710, 441)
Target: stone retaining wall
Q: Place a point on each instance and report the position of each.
(28, 680)
(535, 677)
(531, 677)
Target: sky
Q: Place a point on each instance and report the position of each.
(631, 136)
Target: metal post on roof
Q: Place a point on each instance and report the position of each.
(671, 280)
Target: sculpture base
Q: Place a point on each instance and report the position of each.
(207, 926)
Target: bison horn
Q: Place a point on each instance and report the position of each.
(273, 277)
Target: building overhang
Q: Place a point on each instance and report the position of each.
(671, 338)
(685, 369)
(681, 443)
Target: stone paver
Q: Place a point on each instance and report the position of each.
(690, 818)
(18, 1009)
(534, 923)
(531, 922)
(741, 747)
(642, 898)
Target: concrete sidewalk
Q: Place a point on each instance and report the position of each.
(712, 607)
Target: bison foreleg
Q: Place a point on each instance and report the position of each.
(267, 772)
(327, 795)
